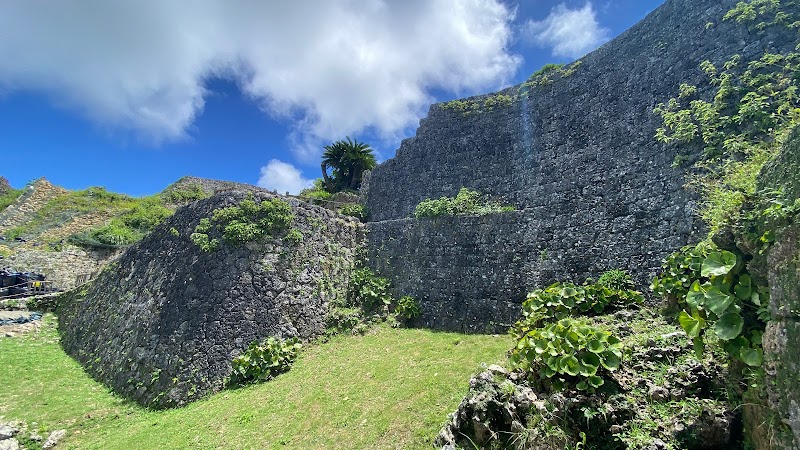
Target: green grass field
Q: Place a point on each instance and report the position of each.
(392, 388)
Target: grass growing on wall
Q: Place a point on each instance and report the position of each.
(392, 388)
(9, 197)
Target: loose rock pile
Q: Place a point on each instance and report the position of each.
(13, 435)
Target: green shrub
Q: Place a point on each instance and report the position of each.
(616, 279)
(246, 222)
(264, 360)
(465, 202)
(367, 290)
(294, 236)
(115, 234)
(408, 308)
(569, 353)
(714, 292)
(354, 210)
(317, 193)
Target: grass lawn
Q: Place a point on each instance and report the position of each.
(392, 388)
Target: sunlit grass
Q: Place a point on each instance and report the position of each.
(392, 388)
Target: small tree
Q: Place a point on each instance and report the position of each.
(348, 159)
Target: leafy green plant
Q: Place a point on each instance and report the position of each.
(768, 211)
(561, 300)
(316, 193)
(616, 279)
(246, 222)
(714, 292)
(264, 360)
(569, 352)
(294, 236)
(408, 308)
(354, 210)
(465, 202)
(367, 290)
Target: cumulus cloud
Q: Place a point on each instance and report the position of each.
(283, 177)
(568, 32)
(332, 68)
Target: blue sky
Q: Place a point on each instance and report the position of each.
(132, 96)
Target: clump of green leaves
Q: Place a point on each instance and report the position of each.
(466, 202)
(561, 300)
(475, 106)
(569, 352)
(367, 290)
(714, 292)
(408, 308)
(264, 360)
(548, 74)
(185, 193)
(354, 210)
(316, 193)
(770, 210)
(616, 279)
(246, 222)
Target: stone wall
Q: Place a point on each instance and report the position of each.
(162, 324)
(25, 207)
(62, 267)
(578, 158)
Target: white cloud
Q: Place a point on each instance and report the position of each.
(568, 32)
(283, 177)
(332, 68)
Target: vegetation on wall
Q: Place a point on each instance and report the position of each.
(753, 107)
(487, 103)
(316, 193)
(245, 222)
(9, 197)
(354, 210)
(548, 74)
(466, 202)
(184, 194)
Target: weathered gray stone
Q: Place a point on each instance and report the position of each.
(7, 431)
(9, 444)
(162, 324)
(54, 438)
(576, 156)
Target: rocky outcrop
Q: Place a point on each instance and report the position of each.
(575, 154)
(661, 398)
(162, 323)
(4, 185)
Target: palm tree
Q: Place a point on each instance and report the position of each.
(348, 159)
